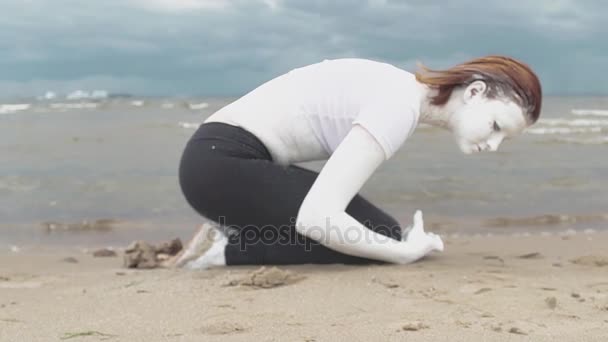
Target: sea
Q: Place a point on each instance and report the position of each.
(92, 169)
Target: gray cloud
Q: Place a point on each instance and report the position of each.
(227, 47)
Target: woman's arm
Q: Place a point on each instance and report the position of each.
(322, 215)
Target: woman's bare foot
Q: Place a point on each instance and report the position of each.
(204, 250)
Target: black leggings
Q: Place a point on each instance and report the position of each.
(228, 176)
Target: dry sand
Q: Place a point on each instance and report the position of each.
(479, 289)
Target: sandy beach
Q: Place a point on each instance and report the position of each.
(501, 288)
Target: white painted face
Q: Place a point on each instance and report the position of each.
(481, 124)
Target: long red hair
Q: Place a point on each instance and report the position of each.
(504, 76)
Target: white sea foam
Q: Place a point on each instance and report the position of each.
(137, 103)
(586, 141)
(81, 95)
(563, 130)
(198, 106)
(79, 105)
(13, 108)
(590, 112)
(49, 95)
(18, 184)
(77, 95)
(189, 125)
(574, 122)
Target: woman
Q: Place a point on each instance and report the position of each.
(237, 170)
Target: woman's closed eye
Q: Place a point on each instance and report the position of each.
(496, 127)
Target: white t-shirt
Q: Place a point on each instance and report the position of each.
(303, 115)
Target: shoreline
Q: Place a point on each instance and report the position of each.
(117, 233)
(498, 288)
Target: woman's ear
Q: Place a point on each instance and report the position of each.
(474, 90)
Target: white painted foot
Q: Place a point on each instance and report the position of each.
(208, 241)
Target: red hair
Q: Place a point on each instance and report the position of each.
(503, 76)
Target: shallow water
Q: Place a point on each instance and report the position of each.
(66, 162)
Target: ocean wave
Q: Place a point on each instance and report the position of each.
(100, 225)
(13, 108)
(81, 95)
(189, 125)
(590, 112)
(49, 95)
(168, 105)
(137, 103)
(543, 220)
(563, 130)
(76, 105)
(574, 122)
(198, 106)
(17, 184)
(586, 141)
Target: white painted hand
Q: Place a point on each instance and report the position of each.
(426, 242)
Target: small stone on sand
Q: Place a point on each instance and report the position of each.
(534, 255)
(388, 283)
(575, 295)
(551, 302)
(170, 248)
(223, 328)
(267, 278)
(517, 331)
(10, 320)
(414, 326)
(70, 260)
(140, 254)
(591, 260)
(104, 253)
(494, 257)
(464, 324)
(482, 290)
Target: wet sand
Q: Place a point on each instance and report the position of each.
(502, 288)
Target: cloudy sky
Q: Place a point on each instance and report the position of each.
(226, 47)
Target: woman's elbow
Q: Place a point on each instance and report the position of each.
(310, 221)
